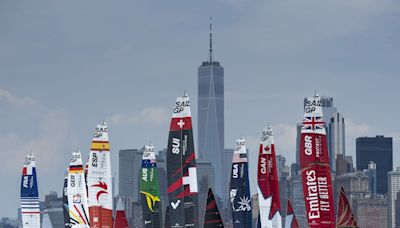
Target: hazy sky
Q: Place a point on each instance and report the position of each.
(67, 65)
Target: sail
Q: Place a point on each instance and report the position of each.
(30, 209)
(345, 217)
(239, 187)
(99, 180)
(212, 217)
(291, 221)
(315, 170)
(150, 189)
(120, 218)
(268, 185)
(76, 193)
(67, 221)
(181, 167)
(167, 222)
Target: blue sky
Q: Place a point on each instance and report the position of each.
(65, 66)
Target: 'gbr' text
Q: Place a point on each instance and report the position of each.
(308, 145)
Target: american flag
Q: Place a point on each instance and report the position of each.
(313, 123)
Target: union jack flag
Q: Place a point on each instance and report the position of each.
(313, 123)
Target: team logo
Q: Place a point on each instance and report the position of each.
(104, 188)
(76, 198)
(151, 200)
(176, 204)
(244, 204)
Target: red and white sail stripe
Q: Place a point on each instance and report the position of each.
(120, 218)
(291, 221)
(268, 185)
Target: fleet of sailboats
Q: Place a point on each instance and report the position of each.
(88, 195)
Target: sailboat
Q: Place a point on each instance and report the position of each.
(291, 221)
(67, 219)
(30, 209)
(150, 189)
(77, 193)
(314, 164)
(181, 167)
(120, 217)
(212, 217)
(268, 185)
(239, 187)
(345, 217)
(99, 180)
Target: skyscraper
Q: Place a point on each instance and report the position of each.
(211, 116)
(394, 188)
(336, 138)
(378, 149)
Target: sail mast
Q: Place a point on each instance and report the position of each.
(77, 193)
(99, 179)
(268, 185)
(315, 170)
(150, 189)
(30, 209)
(181, 167)
(239, 187)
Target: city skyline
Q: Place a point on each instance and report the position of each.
(78, 64)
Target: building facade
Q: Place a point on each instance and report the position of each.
(370, 211)
(378, 149)
(336, 138)
(54, 207)
(394, 189)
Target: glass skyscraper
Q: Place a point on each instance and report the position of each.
(211, 117)
(378, 149)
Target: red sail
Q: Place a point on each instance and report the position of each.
(120, 218)
(268, 185)
(315, 170)
(291, 221)
(345, 217)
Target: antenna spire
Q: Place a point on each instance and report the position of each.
(210, 50)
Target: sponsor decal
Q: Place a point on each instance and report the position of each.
(176, 204)
(244, 204)
(151, 200)
(76, 198)
(104, 188)
(180, 106)
(98, 132)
